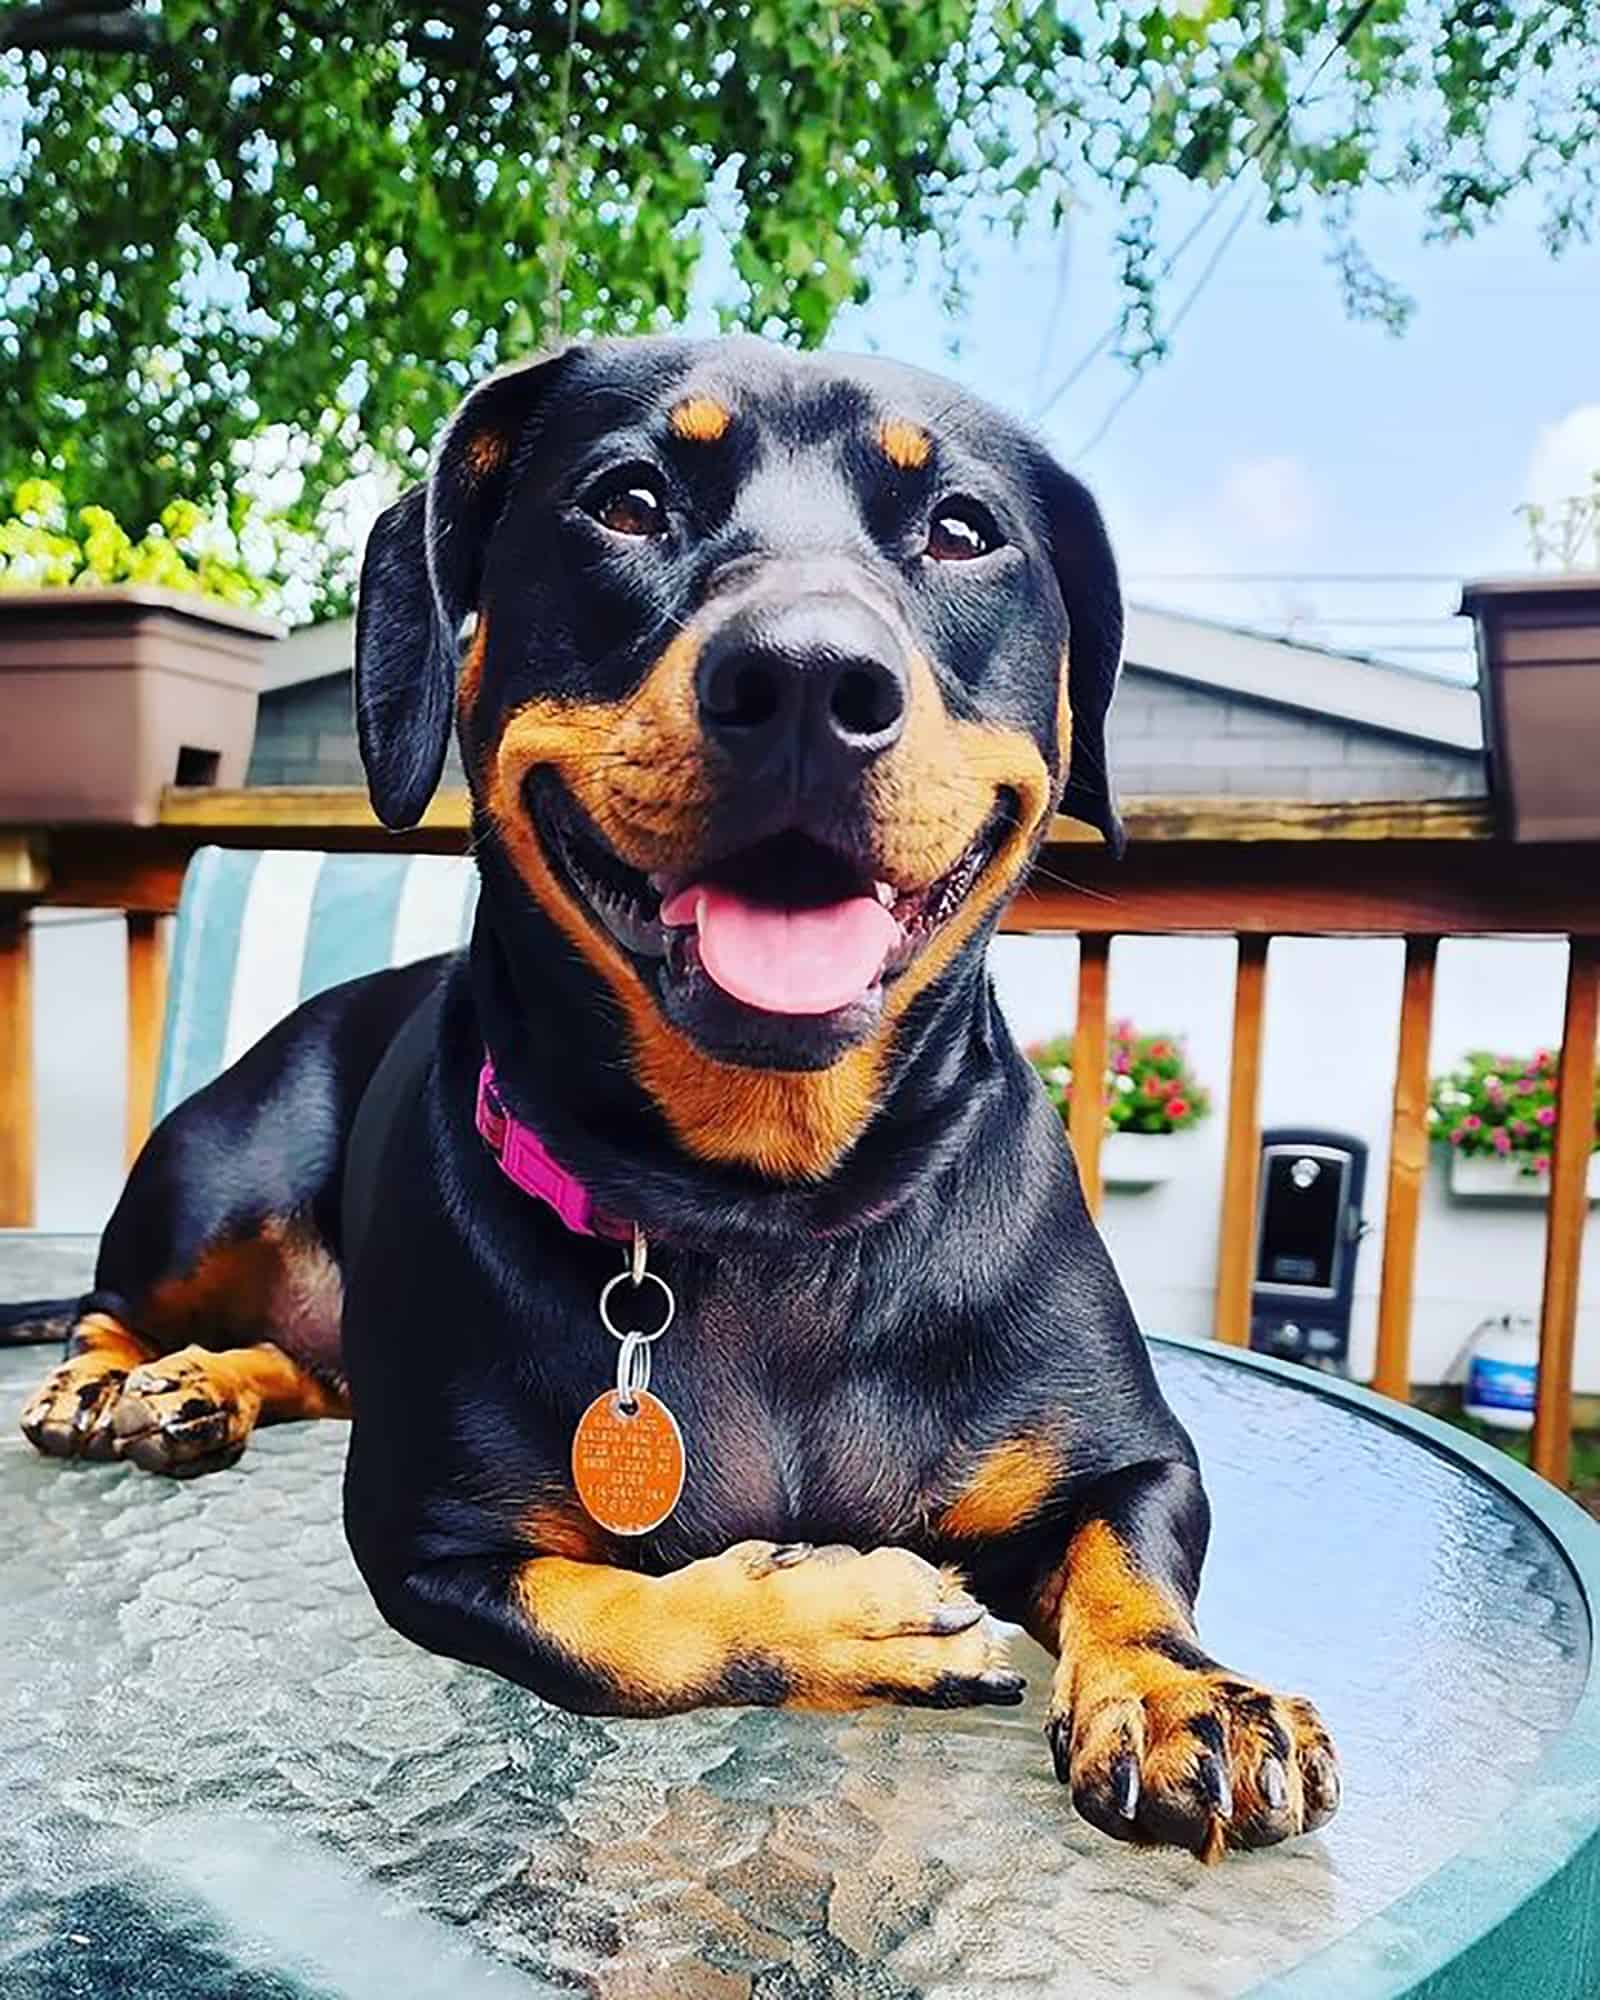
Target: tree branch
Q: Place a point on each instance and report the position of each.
(88, 26)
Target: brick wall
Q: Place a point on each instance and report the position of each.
(1168, 738)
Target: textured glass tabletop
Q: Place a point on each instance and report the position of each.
(221, 1775)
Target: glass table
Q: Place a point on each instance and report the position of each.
(222, 1775)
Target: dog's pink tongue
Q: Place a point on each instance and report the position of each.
(787, 961)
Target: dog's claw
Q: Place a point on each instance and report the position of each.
(1322, 1788)
(1215, 1787)
(788, 1554)
(1058, 1734)
(1274, 1784)
(1001, 1687)
(1125, 1784)
(959, 1615)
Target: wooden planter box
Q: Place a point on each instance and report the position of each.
(1539, 681)
(108, 695)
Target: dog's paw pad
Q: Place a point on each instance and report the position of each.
(175, 1416)
(1191, 1757)
(69, 1415)
(887, 1626)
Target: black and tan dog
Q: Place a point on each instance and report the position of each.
(768, 673)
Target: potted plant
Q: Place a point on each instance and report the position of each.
(1497, 1114)
(1539, 677)
(125, 665)
(1152, 1096)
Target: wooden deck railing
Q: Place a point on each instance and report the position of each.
(1250, 869)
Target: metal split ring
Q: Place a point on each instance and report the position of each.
(627, 1278)
(633, 1370)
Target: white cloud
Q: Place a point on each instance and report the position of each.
(1565, 458)
(1272, 502)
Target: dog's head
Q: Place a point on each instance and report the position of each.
(768, 672)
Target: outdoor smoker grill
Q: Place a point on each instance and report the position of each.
(1308, 1229)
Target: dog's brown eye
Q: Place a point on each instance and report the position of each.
(960, 531)
(632, 504)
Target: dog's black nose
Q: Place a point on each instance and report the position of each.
(816, 683)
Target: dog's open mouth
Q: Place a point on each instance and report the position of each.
(787, 927)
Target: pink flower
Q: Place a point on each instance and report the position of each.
(1526, 1086)
(1472, 1122)
(1541, 1163)
(1123, 1063)
(1457, 1136)
(1541, 1059)
(1546, 1114)
(1177, 1107)
(1502, 1141)
(1520, 1127)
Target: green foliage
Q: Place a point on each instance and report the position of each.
(318, 222)
(1567, 534)
(43, 547)
(1149, 1084)
(1501, 1107)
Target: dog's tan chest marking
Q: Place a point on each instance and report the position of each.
(1008, 1486)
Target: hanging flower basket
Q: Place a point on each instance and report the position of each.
(1497, 1114)
(1504, 1180)
(1134, 1161)
(1153, 1099)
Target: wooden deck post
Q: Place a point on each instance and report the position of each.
(147, 1000)
(1569, 1211)
(16, 1069)
(1242, 1168)
(1408, 1164)
(1086, 1118)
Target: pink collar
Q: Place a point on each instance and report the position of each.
(527, 1163)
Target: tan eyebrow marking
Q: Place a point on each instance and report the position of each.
(700, 419)
(904, 443)
(484, 453)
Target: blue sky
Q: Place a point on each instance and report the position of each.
(1280, 436)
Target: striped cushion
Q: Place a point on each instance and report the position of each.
(259, 933)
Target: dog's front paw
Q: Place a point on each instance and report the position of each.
(179, 1416)
(844, 1629)
(69, 1414)
(1161, 1745)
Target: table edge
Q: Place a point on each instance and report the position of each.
(1518, 1908)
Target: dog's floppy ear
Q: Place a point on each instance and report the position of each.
(1086, 572)
(420, 578)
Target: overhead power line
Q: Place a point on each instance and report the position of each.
(1265, 147)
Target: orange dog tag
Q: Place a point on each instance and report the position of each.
(628, 1469)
